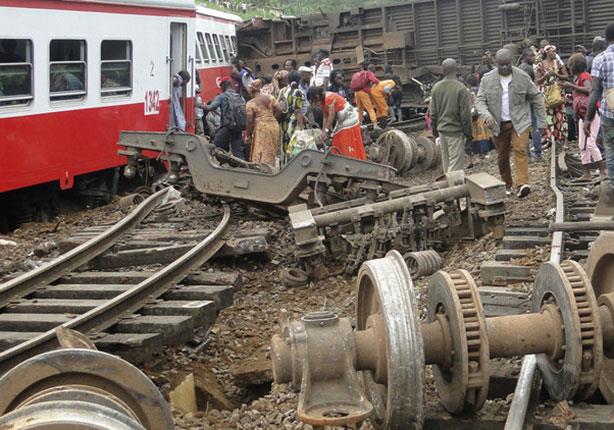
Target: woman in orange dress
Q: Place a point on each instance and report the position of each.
(340, 122)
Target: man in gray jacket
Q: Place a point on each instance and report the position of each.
(505, 99)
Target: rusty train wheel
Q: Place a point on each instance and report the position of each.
(464, 384)
(576, 373)
(600, 268)
(386, 292)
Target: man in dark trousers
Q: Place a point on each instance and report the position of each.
(505, 99)
(450, 112)
(528, 66)
(233, 118)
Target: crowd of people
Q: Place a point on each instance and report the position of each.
(526, 105)
(521, 105)
(270, 119)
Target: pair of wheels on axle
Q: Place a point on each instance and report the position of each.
(461, 378)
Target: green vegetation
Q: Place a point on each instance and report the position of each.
(271, 8)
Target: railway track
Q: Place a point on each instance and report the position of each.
(115, 309)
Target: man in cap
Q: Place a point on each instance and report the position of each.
(233, 118)
(450, 111)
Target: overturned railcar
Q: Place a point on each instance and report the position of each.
(415, 36)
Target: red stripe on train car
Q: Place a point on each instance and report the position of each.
(97, 7)
(58, 146)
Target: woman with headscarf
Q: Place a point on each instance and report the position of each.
(549, 73)
(280, 80)
(262, 128)
(347, 139)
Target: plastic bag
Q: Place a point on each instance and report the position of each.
(303, 139)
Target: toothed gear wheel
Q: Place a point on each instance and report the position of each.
(464, 385)
(576, 374)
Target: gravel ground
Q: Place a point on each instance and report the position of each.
(243, 331)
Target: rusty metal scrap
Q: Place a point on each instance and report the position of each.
(405, 152)
(81, 388)
(571, 330)
(412, 219)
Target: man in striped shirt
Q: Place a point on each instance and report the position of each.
(603, 90)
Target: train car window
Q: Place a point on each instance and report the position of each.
(199, 57)
(15, 72)
(224, 49)
(233, 39)
(115, 67)
(67, 69)
(203, 47)
(229, 45)
(218, 50)
(211, 49)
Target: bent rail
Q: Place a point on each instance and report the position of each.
(107, 314)
(49, 272)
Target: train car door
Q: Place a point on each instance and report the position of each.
(178, 58)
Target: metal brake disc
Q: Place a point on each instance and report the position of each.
(114, 390)
(463, 384)
(600, 268)
(576, 374)
(429, 151)
(385, 287)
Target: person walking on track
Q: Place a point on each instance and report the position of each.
(505, 99)
(450, 111)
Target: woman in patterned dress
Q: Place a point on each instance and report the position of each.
(291, 100)
(262, 128)
(550, 70)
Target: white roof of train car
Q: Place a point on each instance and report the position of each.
(202, 10)
(165, 4)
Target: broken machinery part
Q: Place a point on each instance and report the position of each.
(405, 152)
(214, 172)
(411, 219)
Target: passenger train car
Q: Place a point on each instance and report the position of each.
(74, 73)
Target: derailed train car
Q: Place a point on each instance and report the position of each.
(415, 36)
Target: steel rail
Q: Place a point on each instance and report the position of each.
(522, 394)
(51, 271)
(128, 302)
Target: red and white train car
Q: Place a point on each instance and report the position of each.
(74, 73)
(216, 44)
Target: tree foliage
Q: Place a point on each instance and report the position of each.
(269, 8)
